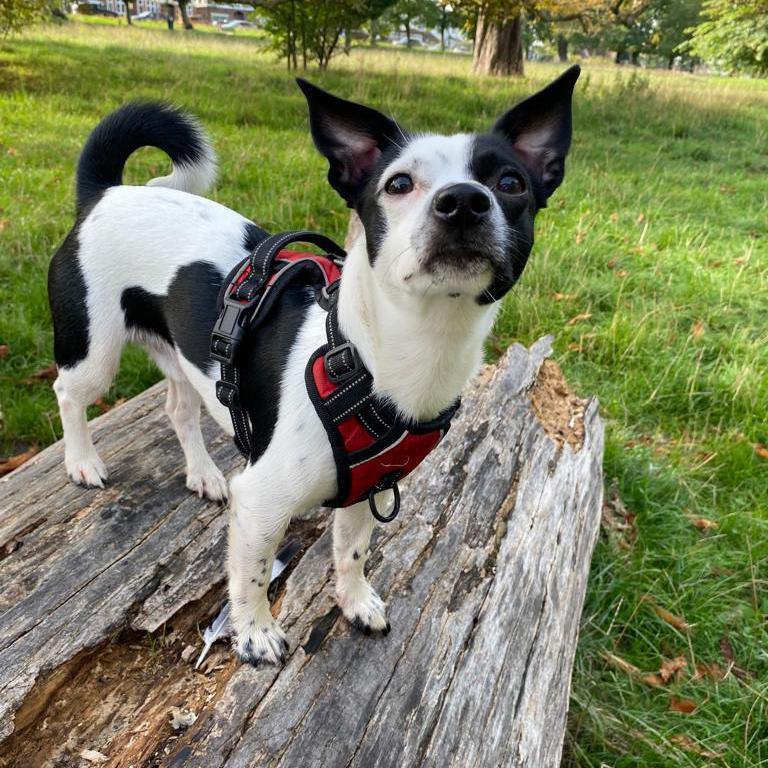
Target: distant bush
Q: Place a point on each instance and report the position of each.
(17, 14)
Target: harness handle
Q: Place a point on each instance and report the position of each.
(391, 483)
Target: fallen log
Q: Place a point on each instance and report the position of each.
(104, 594)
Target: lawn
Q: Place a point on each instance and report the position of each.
(651, 270)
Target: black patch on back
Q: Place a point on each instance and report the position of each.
(370, 210)
(190, 309)
(252, 236)
(144, 311)
(67, 295)
(263, 358)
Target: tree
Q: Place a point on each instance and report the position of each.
(17, 14)
(309, 31)
(183, 10)
(733, 36)
(406, 13)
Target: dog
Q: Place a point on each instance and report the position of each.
(446, 229)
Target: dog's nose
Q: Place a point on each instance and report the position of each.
(462, 205)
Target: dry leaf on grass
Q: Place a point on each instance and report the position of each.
(564, 296)
(672, 668)
(697, 330)
(4, 224)
(621, 664)
(3, 350)
(14, 462)
(44, 374)
(713, 671)
(687, 743)
(761, 450)
(678, 622)
(703, 523)
(617, 521)
(684, 706)
(727, 650)
(578, 318)
(106, 407)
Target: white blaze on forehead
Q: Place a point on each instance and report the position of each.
(435, 160)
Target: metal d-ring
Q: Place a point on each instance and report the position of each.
(395, 508)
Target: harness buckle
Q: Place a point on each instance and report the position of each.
(228, 331)
(342, 363)
(228, 394)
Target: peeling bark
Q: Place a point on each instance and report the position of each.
(484, 572)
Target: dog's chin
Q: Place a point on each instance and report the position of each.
(452, 273)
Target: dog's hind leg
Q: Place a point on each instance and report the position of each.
(77, 387)
(352, 528)
(183, 408)
(182, 404)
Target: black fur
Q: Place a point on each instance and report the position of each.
(123, 132)
(67, 295)
(350, 164)
(145, 311)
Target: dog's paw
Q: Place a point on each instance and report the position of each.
(263, 643)
(88, 471)
(364, 608)
(208, 483)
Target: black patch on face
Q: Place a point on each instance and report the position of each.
(144, 311)
(67, 295)
(369, 208)
(492, 155)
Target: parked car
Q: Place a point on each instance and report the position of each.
(145, 15)
(98, 11)
(231, 26)
(415, 42)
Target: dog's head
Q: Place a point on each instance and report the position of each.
(450, 215)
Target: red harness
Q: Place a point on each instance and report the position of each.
(373, 447)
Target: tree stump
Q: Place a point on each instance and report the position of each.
(105, 592)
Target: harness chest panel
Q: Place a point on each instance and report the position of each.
(373, 447)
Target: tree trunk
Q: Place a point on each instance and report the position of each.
(562, 48)
(184, 14)
(347, 40)
(484, 572)
(374, 32)
(443, 25)
(408, 32)
(128, 12)
(499, 46)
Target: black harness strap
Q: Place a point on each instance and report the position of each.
(246, 299)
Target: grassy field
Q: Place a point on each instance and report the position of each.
(651, 270)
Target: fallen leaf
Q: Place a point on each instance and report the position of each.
(703, 524)
(3, 350)
(652, 680)
(621, 664)
(686, 742)
(678, 622)
(44, 374)
(741, 260)
(761, 450)
(697, 330)
(614, 217)
(686, 706)
(611, 263)
(574, 346)
(714, 264)
(617, 521)
(11, 152)
(727, 650)
(641, 218)
(578, 318)
(106, 407)
(93, 756)
(621, 273)
(672, 667)
(14, 462)
(4, 224)
(564, 296)
(713, 671)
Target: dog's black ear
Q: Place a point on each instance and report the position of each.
(351, 136)
(540, 130)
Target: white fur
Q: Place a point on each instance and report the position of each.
(421, 337)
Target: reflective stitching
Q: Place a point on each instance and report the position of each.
(349, 410)
(343, 389)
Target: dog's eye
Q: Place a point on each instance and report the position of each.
(400, 184)
(511, 184)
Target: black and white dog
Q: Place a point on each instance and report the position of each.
(447, 227)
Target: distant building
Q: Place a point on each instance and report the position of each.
(201, 11)
(219, 13)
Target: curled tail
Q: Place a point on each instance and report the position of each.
(137, 125)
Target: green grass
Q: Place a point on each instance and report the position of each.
(659, 234)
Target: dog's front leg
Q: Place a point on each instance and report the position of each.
(352, 528)
(260, 510)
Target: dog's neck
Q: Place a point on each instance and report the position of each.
(420, 351)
